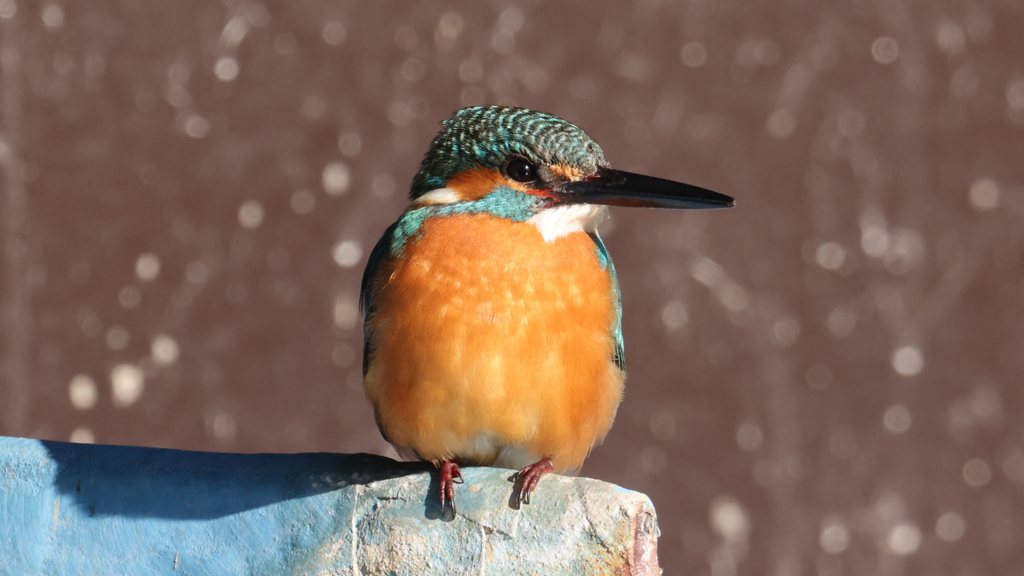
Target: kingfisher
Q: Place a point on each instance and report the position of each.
(492, 312)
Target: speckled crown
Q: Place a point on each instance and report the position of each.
(489, 135)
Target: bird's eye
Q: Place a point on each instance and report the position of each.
(521, 171)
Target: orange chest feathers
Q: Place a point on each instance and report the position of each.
(487, 337)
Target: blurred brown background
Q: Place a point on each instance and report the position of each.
(825, 380)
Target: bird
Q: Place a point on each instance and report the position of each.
(492, 311)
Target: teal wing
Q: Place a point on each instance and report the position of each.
(367, 293)
(619, 357)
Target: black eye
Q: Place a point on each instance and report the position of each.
(521, 171)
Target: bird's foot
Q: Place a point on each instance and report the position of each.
(528, 478)
(451, 475)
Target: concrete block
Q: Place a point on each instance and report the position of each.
(89, 509)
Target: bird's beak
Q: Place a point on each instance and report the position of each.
(617, 188)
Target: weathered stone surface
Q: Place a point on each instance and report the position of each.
(83, 509)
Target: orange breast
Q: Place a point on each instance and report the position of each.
(489, 340)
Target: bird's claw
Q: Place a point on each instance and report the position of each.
(450, 476)
(528, 477)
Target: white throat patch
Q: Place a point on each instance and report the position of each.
(559, 221)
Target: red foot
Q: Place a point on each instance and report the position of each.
(529, 477)
(450, 472)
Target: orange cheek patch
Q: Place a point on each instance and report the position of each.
(475, 183)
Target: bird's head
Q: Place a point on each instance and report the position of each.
(483, 149)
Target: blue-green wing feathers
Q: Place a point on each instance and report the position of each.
(367, 290)
(619, 356)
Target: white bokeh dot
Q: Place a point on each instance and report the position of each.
(674, 315)
(347, 253)
(147, 267)
(226, 69)
(897, 419)
(874, 240)
(164, 350)
(82, 435)
(781, 123)
(885, 50)
(82, 392)
(336, 178)
(8, 8)
(117, 338)
(53, 16)
(334, 33)
(126, 385)
(950, 527)
(197, 126)
(834, 537)
(729, 519)
(250, 214)
(984, 194)
(908, 361)
(749, 436)
(785, 332)
(904, 538)
(346, 312)
(830, 256)
(694, 54)
(977, 473)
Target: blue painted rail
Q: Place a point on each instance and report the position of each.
(82, 509)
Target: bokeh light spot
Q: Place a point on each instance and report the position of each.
(347, 253)
(977, 473)
(674, 315)
(226, 69)
(984, 194)
(164, 350)
(196, 126)
(82, 435)
(117, 338)
(694, 54)
(781, 123)
(126, 385)
(749, 436)
(950, 527)
(250, 214)
(897, 419)
(830, 256)
(908, 361)
(834, 537)
(334, 33)
(147, 267)
(885, 50)
(729, 519)
(904, 538)
(336, 178)
(83, 392)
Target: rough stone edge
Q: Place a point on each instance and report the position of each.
(645, 543)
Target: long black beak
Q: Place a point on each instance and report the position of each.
(617, 188)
